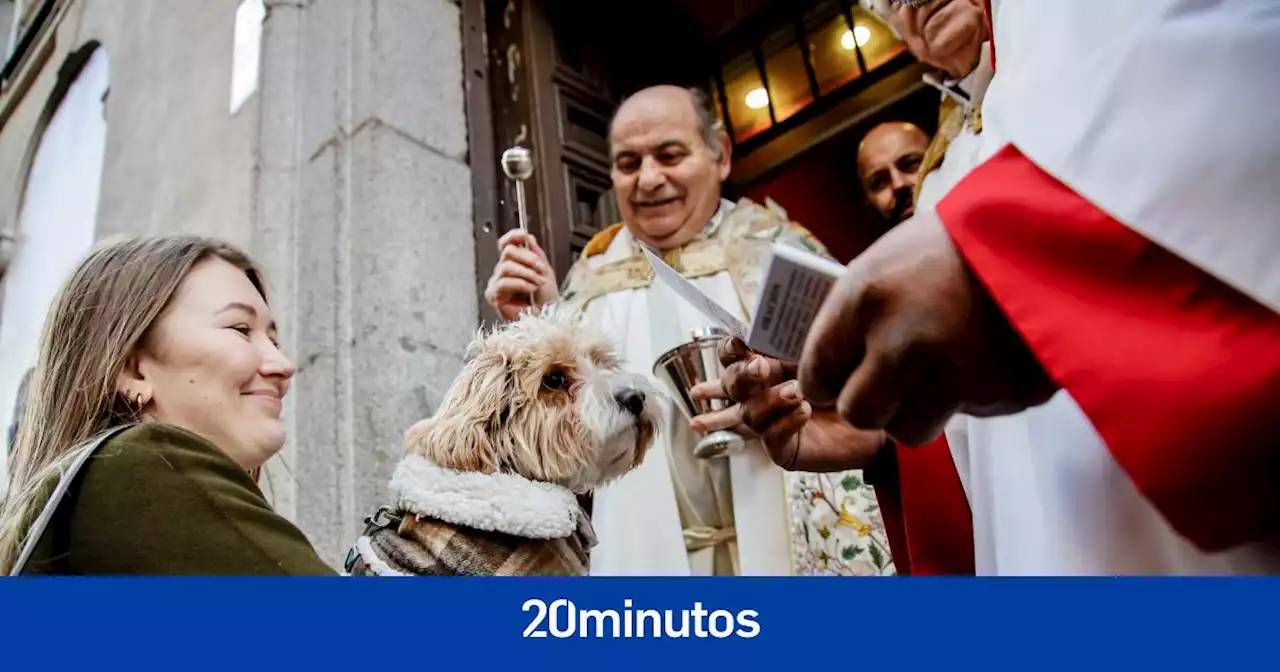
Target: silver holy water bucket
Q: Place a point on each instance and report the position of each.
(683, 367)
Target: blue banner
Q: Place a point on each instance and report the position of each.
(813, 625)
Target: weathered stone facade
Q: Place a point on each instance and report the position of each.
(346, 175)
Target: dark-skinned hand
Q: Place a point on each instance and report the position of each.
(908, 337)
(769, 404)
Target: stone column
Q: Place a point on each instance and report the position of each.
(363, 222)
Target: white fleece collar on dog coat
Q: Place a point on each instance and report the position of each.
(496, 502)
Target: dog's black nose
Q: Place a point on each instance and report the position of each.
(632, 400)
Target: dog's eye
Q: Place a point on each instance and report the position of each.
(555, 380)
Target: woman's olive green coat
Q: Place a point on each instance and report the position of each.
(156, 499)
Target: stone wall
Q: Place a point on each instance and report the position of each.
(176, 160)
(6, 20)
(363, 220)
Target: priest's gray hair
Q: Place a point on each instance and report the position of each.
(709, 125)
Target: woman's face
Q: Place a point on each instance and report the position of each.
(212, 365)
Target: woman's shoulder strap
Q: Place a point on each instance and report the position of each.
(64, 483)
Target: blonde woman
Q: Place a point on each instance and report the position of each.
(157, 391)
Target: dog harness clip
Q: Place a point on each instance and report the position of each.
(381, 519)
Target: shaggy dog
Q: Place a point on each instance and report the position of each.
(489, 485)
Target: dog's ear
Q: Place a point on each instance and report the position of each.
(464, 446)
(415, 440)
(458, 436)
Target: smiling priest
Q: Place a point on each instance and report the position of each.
(678, 514)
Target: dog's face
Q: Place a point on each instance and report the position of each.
(543, 397)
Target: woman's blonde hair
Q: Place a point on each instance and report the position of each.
(98, 319)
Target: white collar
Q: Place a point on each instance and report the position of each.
(725, 206)
(971, 88)
(495, 502)
(976, 82)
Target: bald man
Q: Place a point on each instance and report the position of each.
(889, 159)
(678, 514)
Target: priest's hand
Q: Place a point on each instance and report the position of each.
(770, 405)
(907, 337)
(522, 273)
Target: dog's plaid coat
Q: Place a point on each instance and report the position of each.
(450, 523)
(428, 547)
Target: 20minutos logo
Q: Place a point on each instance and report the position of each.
(562, 618)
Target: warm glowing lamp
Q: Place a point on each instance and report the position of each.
(860, 34)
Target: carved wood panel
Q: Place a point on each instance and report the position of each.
(573, 104)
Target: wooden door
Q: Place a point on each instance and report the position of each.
(550, 93)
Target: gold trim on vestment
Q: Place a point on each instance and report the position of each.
(952, 120)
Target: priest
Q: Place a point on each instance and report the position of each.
(1097, 296)
(677, 514)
